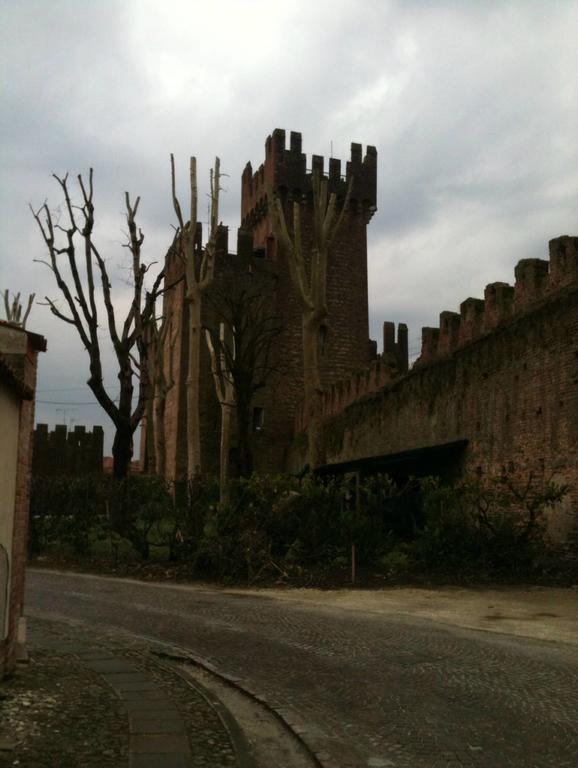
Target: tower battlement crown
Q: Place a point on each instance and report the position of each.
(285, 170)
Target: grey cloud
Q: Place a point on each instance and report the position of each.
(472, 106)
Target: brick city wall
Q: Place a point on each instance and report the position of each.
(383, 370)
(502, 375)
(63, 452)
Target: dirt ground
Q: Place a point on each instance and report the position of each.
(544, 613)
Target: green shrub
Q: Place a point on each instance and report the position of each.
(247, 535)
(496, 525)
(141, 510)
(76, 513)
(396, 562)
(68, 511)
(275, 523)
(341, 561)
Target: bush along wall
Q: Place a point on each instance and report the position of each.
(280, 525)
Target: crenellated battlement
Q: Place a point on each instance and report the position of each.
(337, 397)
(535, 281)
(285, 170)
(67, 452)
(396, 351)
(379, 373)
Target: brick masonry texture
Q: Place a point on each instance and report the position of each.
(509, 396)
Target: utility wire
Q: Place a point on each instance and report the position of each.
(56, 402)
(63, 389)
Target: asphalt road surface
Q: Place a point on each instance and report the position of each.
(372, 690)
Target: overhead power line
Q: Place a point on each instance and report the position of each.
(71, 389)
(67, 402)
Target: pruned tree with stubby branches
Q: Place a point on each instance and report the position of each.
(80, 277)
(199, 266)
(161, 338)
(225, 392)
(15, 312)
(308, 270)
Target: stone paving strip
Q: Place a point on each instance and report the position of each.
(158, 717)
(157, 733)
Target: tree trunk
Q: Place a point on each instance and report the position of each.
(122, 449)
(316, 450)
(312, 386)
(243, 439)
(193, 376)
(311, 372)
(225, 447)
(159, 432)
(150, 461)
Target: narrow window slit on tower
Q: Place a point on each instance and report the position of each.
(258, 419)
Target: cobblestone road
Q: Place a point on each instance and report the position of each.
(374, 691)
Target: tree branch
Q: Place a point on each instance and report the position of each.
(176, 204)
(55, 311)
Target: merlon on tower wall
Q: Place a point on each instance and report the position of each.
(67, 452)
(285, 170)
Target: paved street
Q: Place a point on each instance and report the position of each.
(100, 702)
(371, 690)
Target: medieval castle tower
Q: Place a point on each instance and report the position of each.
(346, 345)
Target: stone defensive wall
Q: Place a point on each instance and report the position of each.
(536, 281)
(67, 452)
(498, 381)
(379, 373)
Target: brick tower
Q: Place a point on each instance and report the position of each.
(346, 346)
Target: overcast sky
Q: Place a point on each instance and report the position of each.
(472, 105)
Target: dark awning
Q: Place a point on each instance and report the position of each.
(429, 460)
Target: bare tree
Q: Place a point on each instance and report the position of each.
(78, 287)
(14, 309)
(247, 349)
(308, 272)
(199, 273)
(161, 341)
(225, 392)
